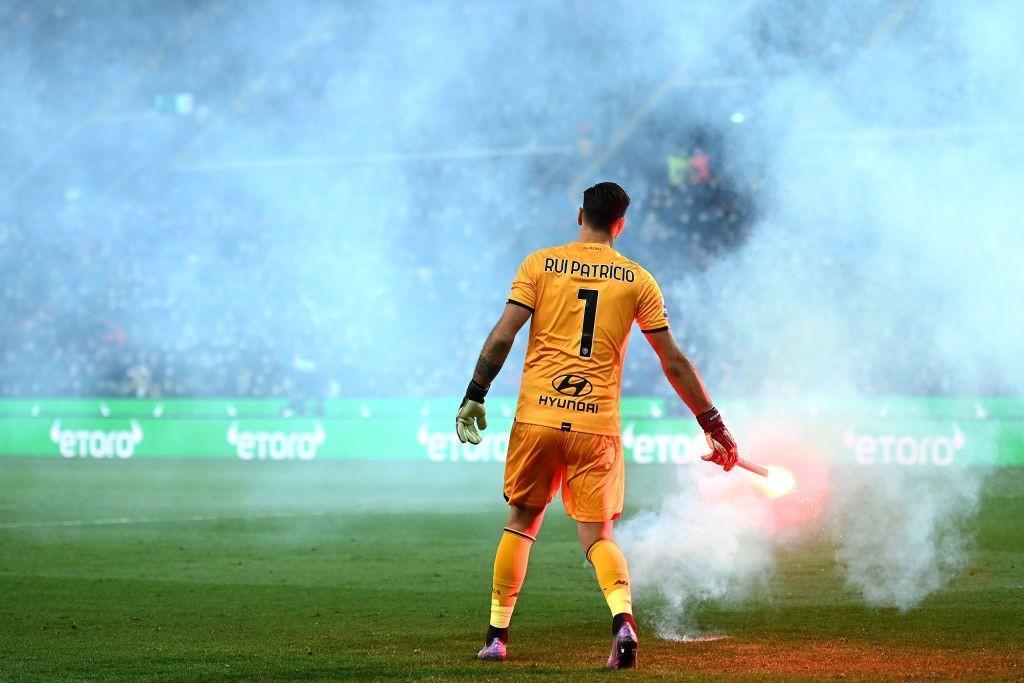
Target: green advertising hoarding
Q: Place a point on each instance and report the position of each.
(881, 432)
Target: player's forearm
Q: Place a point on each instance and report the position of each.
(492, 358)
(685, 379)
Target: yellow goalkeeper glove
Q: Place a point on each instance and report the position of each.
(471, 413)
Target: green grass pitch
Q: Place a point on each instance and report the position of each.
(192, 569)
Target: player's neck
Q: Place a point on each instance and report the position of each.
(588, 234)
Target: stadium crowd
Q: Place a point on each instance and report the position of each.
(240, 308)
(131, 271)
(127, 273)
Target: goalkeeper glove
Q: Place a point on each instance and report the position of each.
(723, 446)
(471, 413)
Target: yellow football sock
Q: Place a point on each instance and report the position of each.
(509, 572)
(612, 575)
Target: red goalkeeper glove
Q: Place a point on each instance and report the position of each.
(723, 446)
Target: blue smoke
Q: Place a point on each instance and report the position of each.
(331, 199)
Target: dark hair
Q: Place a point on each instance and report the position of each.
(603, 204)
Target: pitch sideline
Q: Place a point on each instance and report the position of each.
(149, 520)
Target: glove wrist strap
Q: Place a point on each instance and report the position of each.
(710, 419)
(475, 392)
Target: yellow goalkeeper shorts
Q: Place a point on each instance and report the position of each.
(588, 468)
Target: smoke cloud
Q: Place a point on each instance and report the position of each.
(901, 534)
(710, 541)
(883, 261)
(340, 175)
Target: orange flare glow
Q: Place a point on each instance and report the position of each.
(778, 483)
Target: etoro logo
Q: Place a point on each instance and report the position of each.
(96, 443)
(275, 445)
(572, 385)
(661, 447)
(444, 446)
(903, 449)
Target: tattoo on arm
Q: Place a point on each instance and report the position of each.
(492, 357)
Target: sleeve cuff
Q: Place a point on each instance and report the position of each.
(653, 330)
(520, 304)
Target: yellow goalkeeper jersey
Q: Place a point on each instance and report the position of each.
(584, 297)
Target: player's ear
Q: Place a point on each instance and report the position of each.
(618, 226)
(579, 217)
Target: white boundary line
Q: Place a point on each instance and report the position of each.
(696, 639)
(151, 520)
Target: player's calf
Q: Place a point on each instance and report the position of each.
(509, 571)
(613, 578)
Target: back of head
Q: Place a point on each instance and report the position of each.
(603, 204)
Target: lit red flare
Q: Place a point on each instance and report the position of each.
(775, 481)
(778, 483)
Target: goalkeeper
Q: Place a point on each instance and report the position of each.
(583, 298)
